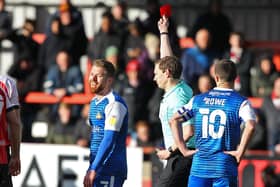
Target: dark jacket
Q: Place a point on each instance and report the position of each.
(243, 71)
(71, 80)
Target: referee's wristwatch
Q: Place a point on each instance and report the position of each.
(170, 149)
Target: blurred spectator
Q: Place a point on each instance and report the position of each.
(151, 42)
(153, 108)
(136, 93)
(26, 71)
(144, 138)
(5, 21)
(258, 140)
(197, 60)
(263, 76)
(63, 79)
(271, 109)
(61, 132)
(53, 43)
(120, 21)
(134, 43)
(103, 39)
(74, 32)
(212, 68)
(28, 79)
(243, 59)
(149, 25)
(204, 84)
(112, 55)
(76, 15)
(142, 135)
(270, 177)
(218, 25)
(135, 49)
(23, 43)
(83, 129)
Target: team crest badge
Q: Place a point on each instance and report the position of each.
(98, 116)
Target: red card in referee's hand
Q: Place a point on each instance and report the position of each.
(165, 10)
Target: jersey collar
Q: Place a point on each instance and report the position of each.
(173, 89)
(223, 89)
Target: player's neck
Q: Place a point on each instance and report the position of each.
(103, 93)
(228, 85)
(171, 83)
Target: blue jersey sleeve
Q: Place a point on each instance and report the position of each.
(115, 114)
(106, 148)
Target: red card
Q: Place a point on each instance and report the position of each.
(165, 10)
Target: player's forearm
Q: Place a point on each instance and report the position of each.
(187, 134)
(105, 148)
(246, 136)
(177, 135)
(15, 136)
(165, 47)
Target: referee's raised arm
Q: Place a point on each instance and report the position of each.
(165, 48)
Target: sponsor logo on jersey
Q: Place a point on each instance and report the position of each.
(113, 120)
(95, 128)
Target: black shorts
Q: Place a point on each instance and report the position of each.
(5, 177)
(176, 172)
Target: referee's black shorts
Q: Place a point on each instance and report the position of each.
(176, 172)
(5, 177)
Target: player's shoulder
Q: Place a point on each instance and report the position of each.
(7, 82)
(201, 95)
(6, 78)
(238, 97)
(115, 97)
(182, 92)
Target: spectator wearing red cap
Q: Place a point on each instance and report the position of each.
(133, 66)
(136, 92)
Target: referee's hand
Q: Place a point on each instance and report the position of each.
(163, 154)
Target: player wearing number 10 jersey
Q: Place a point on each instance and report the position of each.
(217, 117)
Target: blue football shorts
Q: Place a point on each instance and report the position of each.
(212, 182)
(110, 181)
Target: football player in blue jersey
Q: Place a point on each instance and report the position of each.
(108, 118)
(217, 116)
(167, 75)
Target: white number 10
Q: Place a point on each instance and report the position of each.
(208, 120)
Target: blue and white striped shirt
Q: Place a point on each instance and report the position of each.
(108, 118)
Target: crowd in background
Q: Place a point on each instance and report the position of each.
(133, 47)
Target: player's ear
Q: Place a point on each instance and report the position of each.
(167, 71)
(217, 78)
(110, 80)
